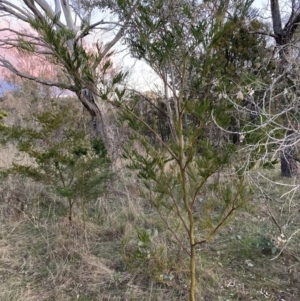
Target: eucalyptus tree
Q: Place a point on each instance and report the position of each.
(57, 35)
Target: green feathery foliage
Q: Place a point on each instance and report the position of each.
(64, 158)
(181, 175)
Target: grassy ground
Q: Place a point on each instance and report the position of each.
(42, 257)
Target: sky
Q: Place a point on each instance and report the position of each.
(4, 87)
(260, 3)
(142, 76)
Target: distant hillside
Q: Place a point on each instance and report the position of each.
(56, 92)
(4, 86)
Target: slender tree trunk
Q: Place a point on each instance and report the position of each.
(186, 188)
(169, 109)
(289, 166)
(283, 36)
(101, 125)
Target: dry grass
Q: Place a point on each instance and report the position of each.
(43, 259)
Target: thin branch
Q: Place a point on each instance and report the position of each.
(178, 210)
(150, 102)
(113, 42)
(229, 213)
(267, 198)
(120, 33)
(45, 6)
(173, 232)
(286, 244)
(167, 148)
(204, 180)
(6, 64)
(263, 33)
(19, 33)
(21, 16)
(292, 25)
(31, 5)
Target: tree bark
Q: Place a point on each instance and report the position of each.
(289, 166)
(100, 122)
(282, 37)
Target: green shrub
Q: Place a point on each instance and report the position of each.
(63, 157)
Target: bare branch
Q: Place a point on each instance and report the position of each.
(286, 244)
(113, 42)
(150, 102)
(264, 33)
(31, 5)
(45, 6)
(6, 64)
(57, 7)
(292, 25)
(14, 10)
(67, 12)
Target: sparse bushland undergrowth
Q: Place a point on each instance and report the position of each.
(127, 253)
